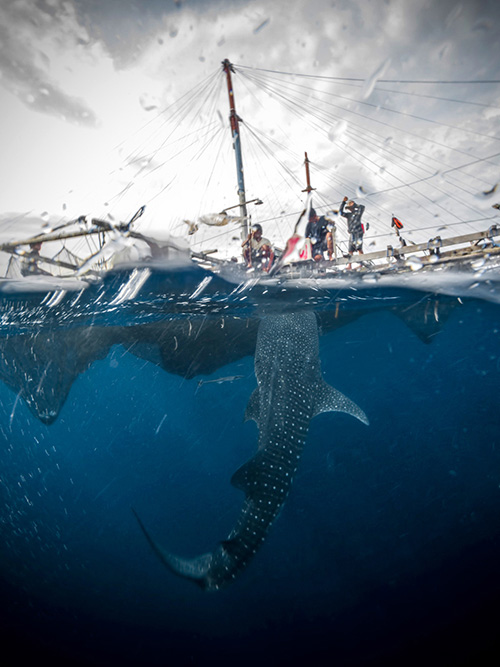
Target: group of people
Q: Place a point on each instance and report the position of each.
(320, 231)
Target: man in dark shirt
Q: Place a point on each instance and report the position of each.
(352, 212)
(321, 237)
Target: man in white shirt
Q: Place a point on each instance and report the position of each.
(257, 250)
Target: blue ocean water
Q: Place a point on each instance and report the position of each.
(386, 549)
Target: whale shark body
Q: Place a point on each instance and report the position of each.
(290, 392)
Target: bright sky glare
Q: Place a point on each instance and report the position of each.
(79, 77)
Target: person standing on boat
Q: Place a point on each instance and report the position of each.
(352, 212)
(321, 236)
(257, 250)
(30, 263)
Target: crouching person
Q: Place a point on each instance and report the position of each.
(257, 250)
(321, 232)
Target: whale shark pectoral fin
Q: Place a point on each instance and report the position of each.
(189, 568)
(253, 406)
(332, 400)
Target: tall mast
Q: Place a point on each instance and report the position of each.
(235, 134)
(308, 189)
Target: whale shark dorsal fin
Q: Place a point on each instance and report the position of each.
(230, 547)
(252, 409)
(242, 479)
(248, 477)
(332, 400)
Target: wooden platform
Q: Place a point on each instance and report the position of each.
(433, 248)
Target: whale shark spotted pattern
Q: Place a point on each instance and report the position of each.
(290, 392)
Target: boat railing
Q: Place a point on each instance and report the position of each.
(433, 246)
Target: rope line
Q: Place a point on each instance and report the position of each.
(346, 78)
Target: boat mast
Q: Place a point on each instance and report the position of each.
(235, 134)
(308, 189)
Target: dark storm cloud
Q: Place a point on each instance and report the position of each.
(128, 27)
(24, 71)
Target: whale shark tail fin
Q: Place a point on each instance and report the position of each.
(190, 568)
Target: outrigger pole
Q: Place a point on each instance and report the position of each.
(235, 133)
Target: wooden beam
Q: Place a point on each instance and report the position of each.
(418, 247)
(45, 238)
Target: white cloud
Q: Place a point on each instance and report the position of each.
(32, 45)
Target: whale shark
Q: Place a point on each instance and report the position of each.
(41, 367)
(290, 392)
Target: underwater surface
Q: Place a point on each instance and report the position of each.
(385, 550)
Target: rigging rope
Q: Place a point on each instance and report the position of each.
(355, 154)
(277, 93)
(345, 78)
(395, 111)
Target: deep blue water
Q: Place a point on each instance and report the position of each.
(386, 550)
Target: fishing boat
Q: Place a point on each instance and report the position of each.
(214, 239)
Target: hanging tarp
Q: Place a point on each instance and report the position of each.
(219, 219)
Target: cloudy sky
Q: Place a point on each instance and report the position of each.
(80, 77)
